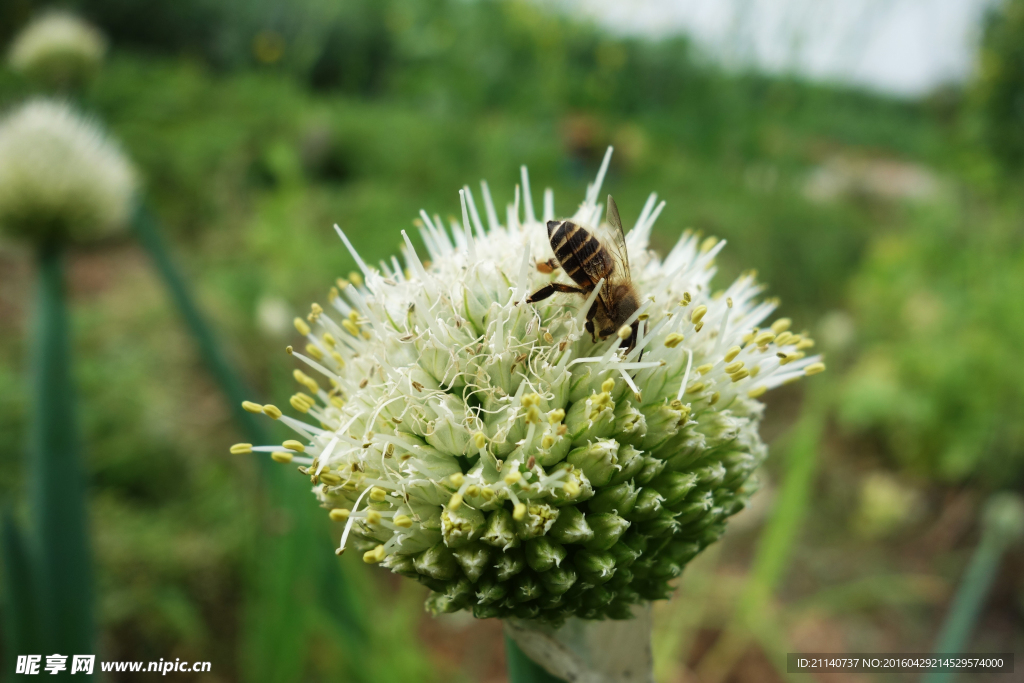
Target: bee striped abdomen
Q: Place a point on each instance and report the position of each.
(580, 254)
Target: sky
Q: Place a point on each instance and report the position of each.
(903, 47)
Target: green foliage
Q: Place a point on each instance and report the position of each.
(937, 377)
(999, 91)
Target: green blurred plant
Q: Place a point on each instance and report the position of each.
(997, 96)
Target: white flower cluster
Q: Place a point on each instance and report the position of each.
(58, 49)
(61, 178)
(492, 450)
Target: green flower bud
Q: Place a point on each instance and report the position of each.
(682, 551)
(630, 424)
(437, 563)
(664, 525)
(631, 461)
(508, 564)
(526, 587)
(527, 610)
(474, 558)
(461, 525)
(624, 555)
(662, 424)
(608, 528)
(711, 476)
(489, 611)
(489, 590)
(739, 466)
(594, 566)
(542, 553)
(664, 568)
(455, 597)
(571, 526)
(620, 608)
(674, 486)
(558, 580)
(590, 420)
(648, 505)
(619, 499)
(696, 508)
(400, 564)
(597, 600)
(651, 469)
(598, 460)
(500, 531)
(538, 520)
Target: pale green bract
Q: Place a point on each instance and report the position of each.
(491, 450)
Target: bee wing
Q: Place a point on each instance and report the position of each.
(616, 241)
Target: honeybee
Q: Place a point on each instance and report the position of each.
(587, 258)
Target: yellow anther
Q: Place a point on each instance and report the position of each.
(314, 351)
(299, 403)
(805, 344)
(741, 374)
(282, 456)
(814, 368)
(705, 369)
(306, 381)
(695, 388)
(763, 338)
(519, 512)
(251, 407)
(301, 326)
(293, 445)
(472, 490)
(339, 514)
(330, 478)
(241, 448)
(562, 429)
(784, 338)
(757, 391)
(728, 302)
(455, 502)
(698, 314)
(289, 350)
(353, 315)
(556, 416)
(781, 325)
(372, 517)
(673, 340)
(355, 278)
(337, 358)
(699, 326)
(624, 332)
(732, 353)
(403, 521)
(332, 294)
(714, 398)
(457, 479)
(487, 493)
(341, 282)
(329, 339)
(707, 244)
(316, 309)
(733, 367)
(374, 556)
(607, 385)
(337, 402)
(686, 299)
(749, 337)
(479, 440)
(755, 370)
(350, 327)
(533, 415)
(571, 488)
(378, 495)
(547, 442)
(531, 400)
(272, 411)
(513, 477)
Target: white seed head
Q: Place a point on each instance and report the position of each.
(61, 178)
(492, 422)
(58, 49)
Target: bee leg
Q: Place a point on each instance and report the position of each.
(548, 266)
(590, 322)
(549, 289)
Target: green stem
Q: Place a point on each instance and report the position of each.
(57, 485)
(968, 601)
(234, 390)
(522, 669)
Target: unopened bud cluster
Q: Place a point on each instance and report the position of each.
(491, 450)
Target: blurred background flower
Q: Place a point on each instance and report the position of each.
(59, 50)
